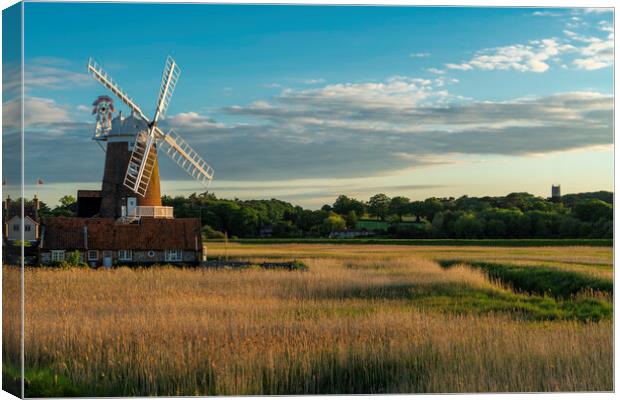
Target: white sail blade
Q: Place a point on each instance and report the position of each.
(106, 80)
(168, 83)
(141, 164)
(186, 157)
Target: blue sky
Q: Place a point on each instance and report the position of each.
(306, 102)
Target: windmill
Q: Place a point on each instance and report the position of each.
(131, 166)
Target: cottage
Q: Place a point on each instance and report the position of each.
(12, 229)
(12, 221)
(107, 242)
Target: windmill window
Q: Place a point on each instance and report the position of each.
(174, 255)
(58, 255)
(124, 255)
(93, 255)
(151, 253)
(16, 227)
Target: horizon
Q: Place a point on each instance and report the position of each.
(303, 103)
(364, 200)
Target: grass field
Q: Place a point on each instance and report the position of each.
(362, 319)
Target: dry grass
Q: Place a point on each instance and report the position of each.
(364, 323)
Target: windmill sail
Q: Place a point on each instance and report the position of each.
(141, 164)
(142, 160)
(168, 83)
(182, 153)
(100, 75)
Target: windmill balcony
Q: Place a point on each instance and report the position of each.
(150, 212)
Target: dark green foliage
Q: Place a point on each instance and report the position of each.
(541, 280)
(593, 210)
(379, 206)
(42, 382)
(515, 216)
(344, 205)
(399, 206)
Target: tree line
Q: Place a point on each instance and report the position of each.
(517, 215)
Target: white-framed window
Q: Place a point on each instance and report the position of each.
(124, 255)
(58, 255)
(174, 255)
(15, 227)
(93, 255)
(151, 253)
(27, 228)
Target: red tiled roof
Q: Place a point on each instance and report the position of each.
(107, 234)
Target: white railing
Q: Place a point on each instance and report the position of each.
(151, 211)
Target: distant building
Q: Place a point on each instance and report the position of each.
(11, 230)
(349, 234)
(555, 192)
(105, 241)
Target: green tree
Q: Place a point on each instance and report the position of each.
(343, 205)
(592, 210)
(468, 226)
(417, 208)
(379, 206)
(399, 206)
(67, 201)
(430, 207)
(333, 223)
(351, 219)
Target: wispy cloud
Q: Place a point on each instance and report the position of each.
(595, 53)
(313, 81)
(584, 52)
(547, 13)
(396, 124)
(53, 73)
(533, 57)
(419, 55)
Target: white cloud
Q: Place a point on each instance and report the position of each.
(419, 55)
(532, 57)
(44, 73)
(37, 111)
(398, 123)
(313, 81)
(462, 67)
(436, 71)
(598, 10)
(546, 13)
(381, 121)
(595, 53)
(192, 120)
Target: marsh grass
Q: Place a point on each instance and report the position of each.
(383, 323)
(558, 282)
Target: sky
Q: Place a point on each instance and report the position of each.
(304, 103)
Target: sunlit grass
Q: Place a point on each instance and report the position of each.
(362, 319)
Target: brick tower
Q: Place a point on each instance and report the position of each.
(115, 195)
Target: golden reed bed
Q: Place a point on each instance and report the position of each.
(348, 325)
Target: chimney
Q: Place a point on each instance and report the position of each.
(86, 237)
(37, 205)
(7, 207)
